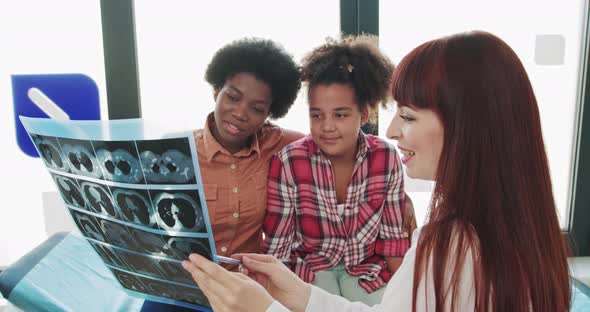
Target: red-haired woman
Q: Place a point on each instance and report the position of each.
(467, 118)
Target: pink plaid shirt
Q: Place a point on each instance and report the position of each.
(302, 225)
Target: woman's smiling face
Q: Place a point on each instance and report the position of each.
(419, 134)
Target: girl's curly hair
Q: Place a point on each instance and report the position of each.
(355, 61)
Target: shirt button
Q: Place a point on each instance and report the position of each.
(223, 249)
(234, 189)
(232, 166)
(236, 215)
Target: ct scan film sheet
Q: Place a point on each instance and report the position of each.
(138, 201)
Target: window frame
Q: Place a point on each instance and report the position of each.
(578, 233)
(361, 17)
(120, 58)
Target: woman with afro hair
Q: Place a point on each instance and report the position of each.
(253, 80)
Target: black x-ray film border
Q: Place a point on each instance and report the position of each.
(148, 191)
(132, 251)
(140, 227)
(143, 186)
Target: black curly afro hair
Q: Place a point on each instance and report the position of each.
(267, 61)
(353, 60)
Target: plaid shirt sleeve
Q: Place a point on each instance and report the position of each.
(279, 222)
(391, 242)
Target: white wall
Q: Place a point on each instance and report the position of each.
(38, 37)
(176, 40)
(406, 24)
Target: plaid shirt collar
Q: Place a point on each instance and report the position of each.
(212, 147)
(362, 146)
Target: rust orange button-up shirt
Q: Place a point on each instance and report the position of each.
(235, 185)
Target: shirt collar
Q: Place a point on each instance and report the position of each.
(212, 146)
(363, 145)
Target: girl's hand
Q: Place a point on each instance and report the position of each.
(409, 217)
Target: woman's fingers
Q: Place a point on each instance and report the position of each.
(204, 264)
(263, 264)
(258, 266)
(215, 300)
(199, 275)
(242, 276)
(242, 269)
(213, 269)
(258, 257)
(190, 267)
(226, 291)
(205, 284)
(209, 275)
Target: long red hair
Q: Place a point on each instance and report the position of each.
(493, 192)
